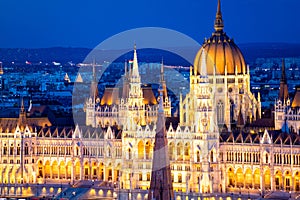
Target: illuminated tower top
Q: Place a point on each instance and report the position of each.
(283, 91)
(219, 25)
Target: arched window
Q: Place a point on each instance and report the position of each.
(18, 149)
(220, 112)
(211, 156)
(5, 150)
(198, 156)
(26, 149)
(231, 110)
(179, 178)
(129, 154)
(11, 149)
(267, 158)
(108, 152)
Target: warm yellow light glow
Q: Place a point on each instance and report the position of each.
(92, 192)
(100, 193)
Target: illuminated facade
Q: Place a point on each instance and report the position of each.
(117, 143)
(132, 99)
(287, 110)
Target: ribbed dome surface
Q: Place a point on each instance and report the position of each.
(223, 53)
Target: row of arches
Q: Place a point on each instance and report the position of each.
(77, 171)
(255, 157)
(181, 151)
(257, 179)
(246, 157)
(281, 158)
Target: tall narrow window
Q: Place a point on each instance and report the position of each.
(220, 112)
(231, 110)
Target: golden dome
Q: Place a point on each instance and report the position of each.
(221, 51)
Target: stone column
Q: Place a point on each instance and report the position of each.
(282, 184)
(58, 172)
(51, 167)
(72, 173)
(293, 182)
(112, 173)
(44, 178)
(90, 171)
(104, 172)
(262, 180)
(272, 180)
(81, 170)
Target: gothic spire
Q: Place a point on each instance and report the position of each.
(161, 187)
(161, 104)
(283, 90)
(22, 114)
(162, 80)
(22, 105)
(219, 25)
(135, 68)
(94, 85)
(283, 76)
(94, 70)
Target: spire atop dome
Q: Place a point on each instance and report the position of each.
(219, 25)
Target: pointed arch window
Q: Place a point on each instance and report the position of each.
(220, 112)
(231, 110)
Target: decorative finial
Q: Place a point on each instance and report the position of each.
(219, 25)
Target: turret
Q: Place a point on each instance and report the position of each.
(283, 90)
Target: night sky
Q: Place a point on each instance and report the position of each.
(49, 23)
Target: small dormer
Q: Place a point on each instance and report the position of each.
(17, 131)
(266, 138)
(77, 133)
(109, 133)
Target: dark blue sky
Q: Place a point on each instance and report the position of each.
(72, 23)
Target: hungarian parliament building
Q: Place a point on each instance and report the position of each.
(218, 142)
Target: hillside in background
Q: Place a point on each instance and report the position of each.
(64, 55)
